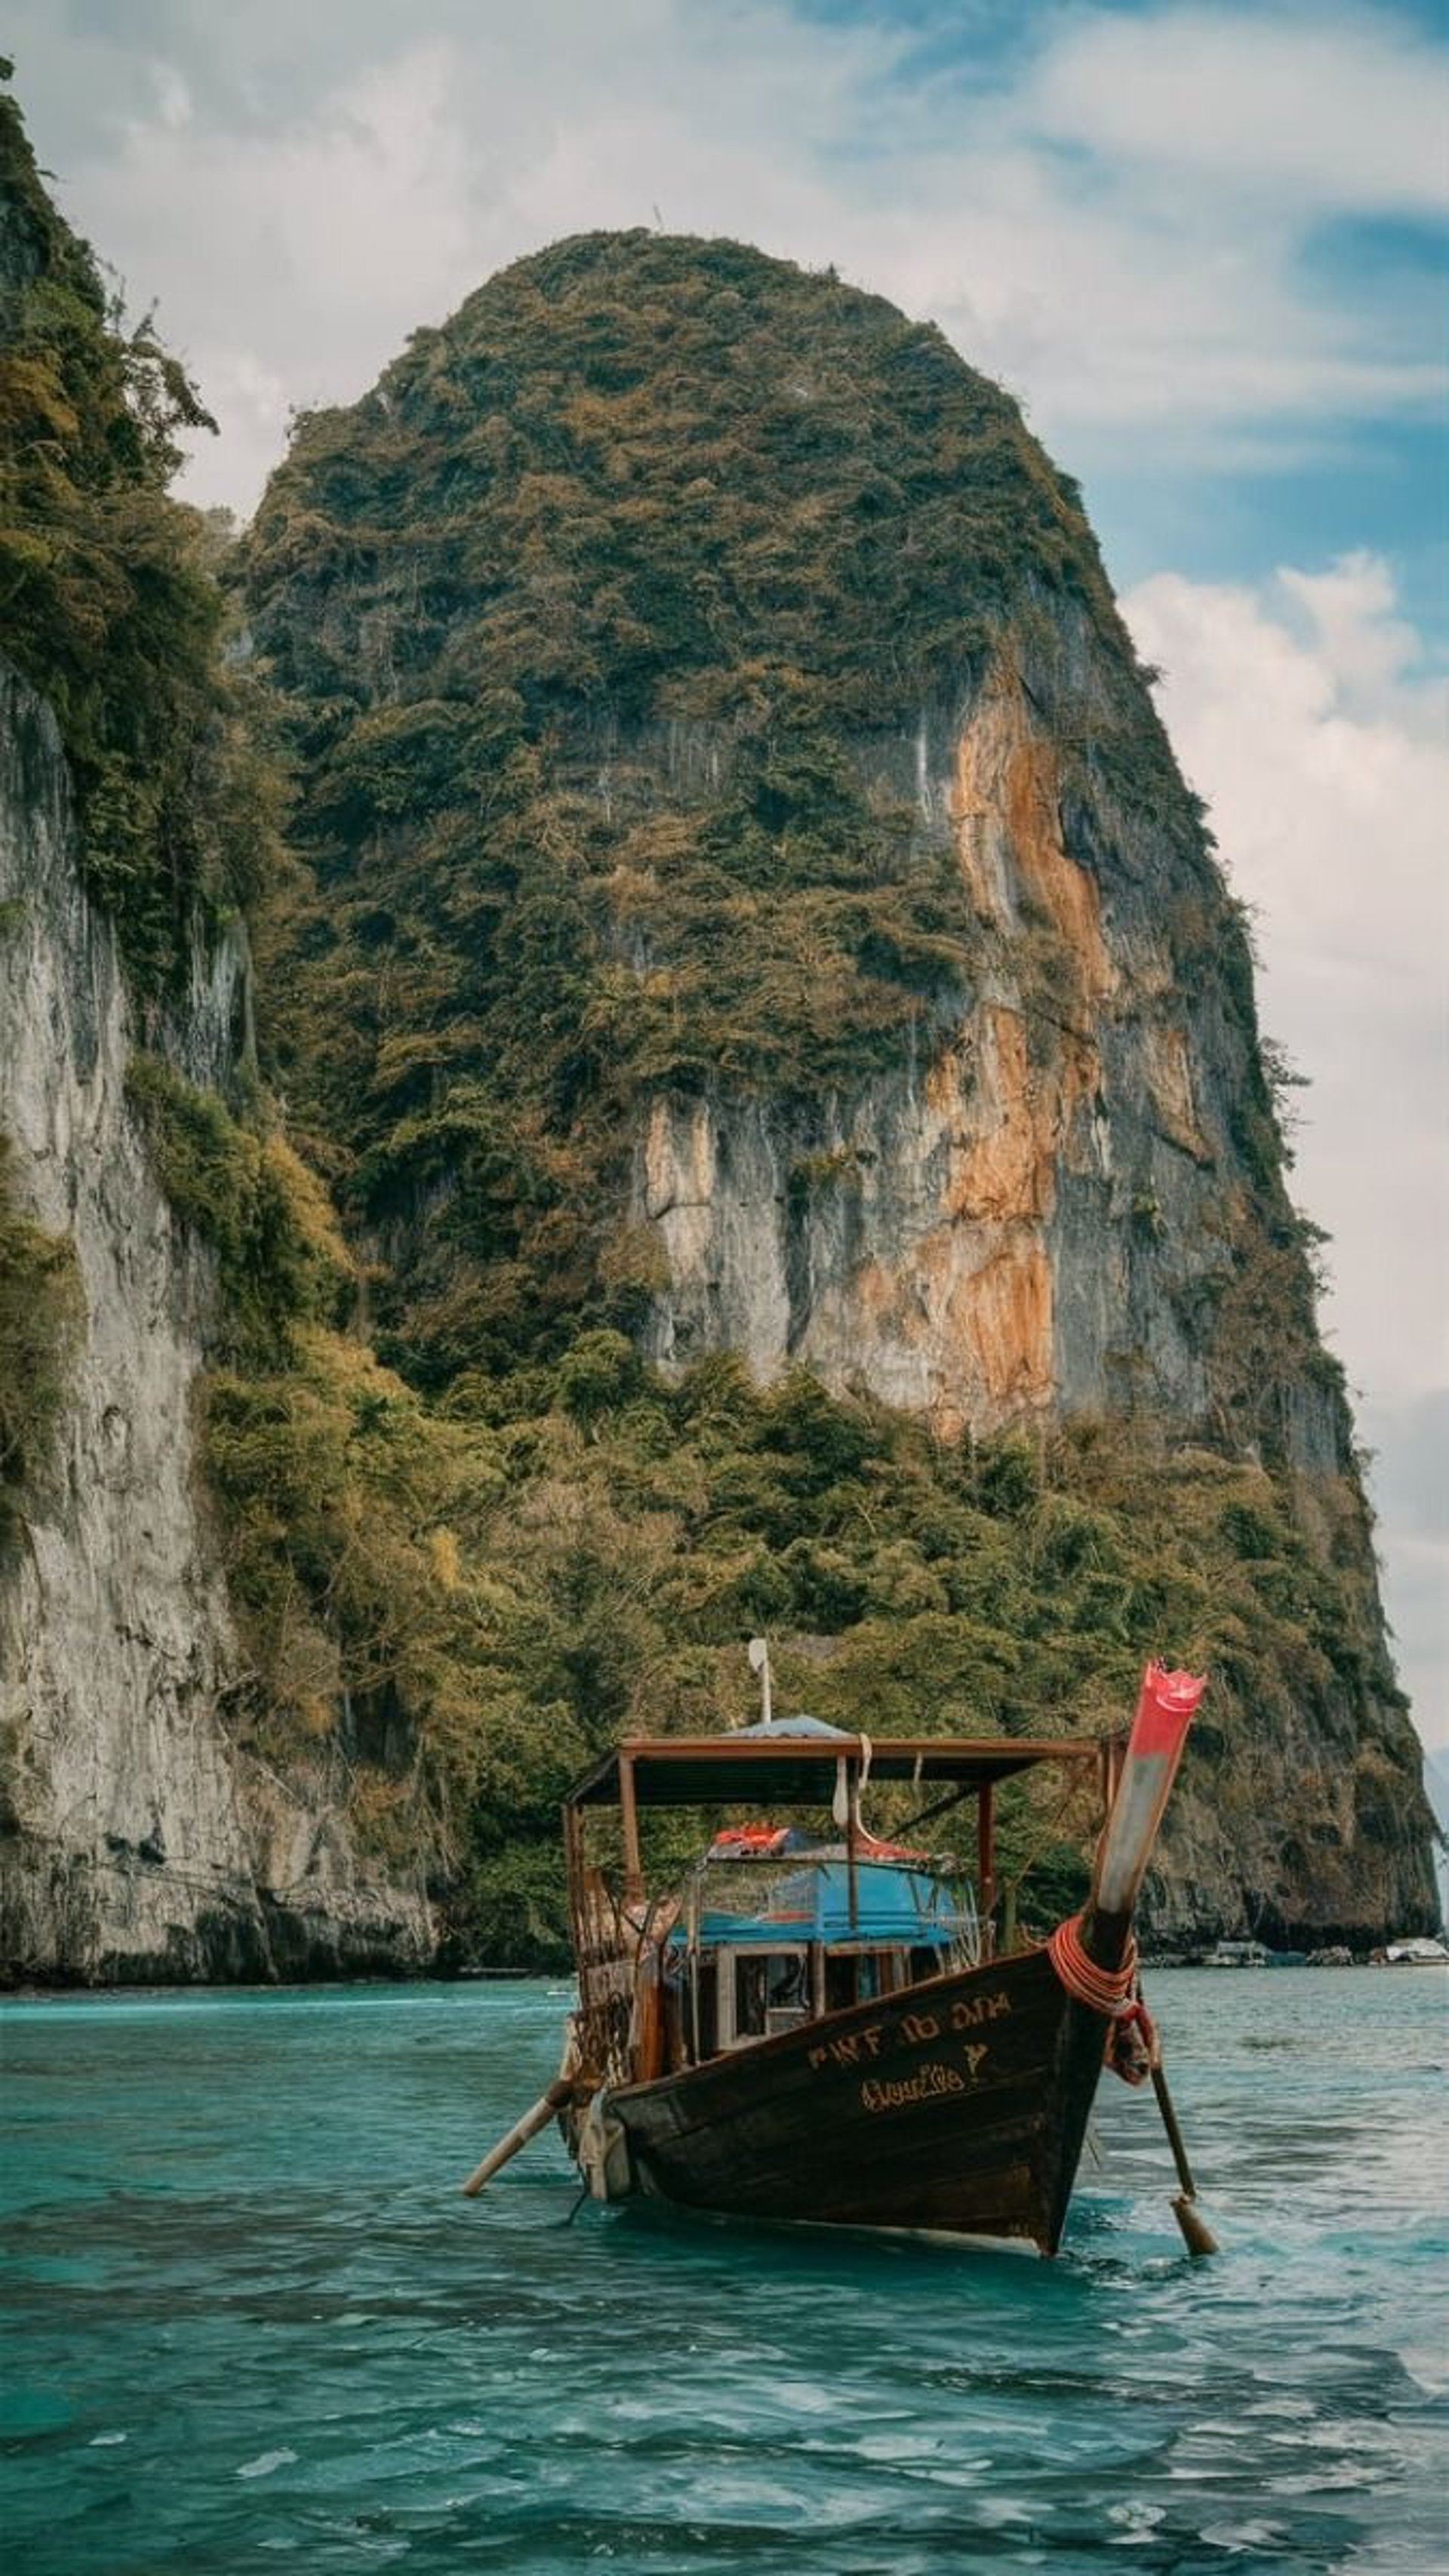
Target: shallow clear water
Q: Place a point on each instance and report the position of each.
(250, 2319)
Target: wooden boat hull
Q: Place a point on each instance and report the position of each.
(957, 2106)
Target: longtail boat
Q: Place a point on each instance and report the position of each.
(823, 2025)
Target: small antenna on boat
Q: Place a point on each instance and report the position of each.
(760, 1663)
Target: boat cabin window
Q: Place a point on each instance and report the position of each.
(761, 1948)
(859, 1976)
(768, 1991)
(745, 1993)
(707, 2039)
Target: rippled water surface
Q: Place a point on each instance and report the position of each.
(250, 2319)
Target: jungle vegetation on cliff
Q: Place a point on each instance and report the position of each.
(577, 626)
(109, 606)
(580, 621)
(40, 1308)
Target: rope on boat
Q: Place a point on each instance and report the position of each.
(1132, 2047)
(1103, 1990)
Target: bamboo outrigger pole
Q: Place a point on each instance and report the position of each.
(1196, 2233)
(560, 2093)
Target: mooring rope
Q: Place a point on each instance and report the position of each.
(1132, 2046)
(1103, 1990)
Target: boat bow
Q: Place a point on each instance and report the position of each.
(1165, 1710)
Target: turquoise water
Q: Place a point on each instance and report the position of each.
(251, 2321)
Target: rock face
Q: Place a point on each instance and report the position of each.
(770, 813)
(136, 1841)
(745, 902)
(753, 904)
(1012, 1225)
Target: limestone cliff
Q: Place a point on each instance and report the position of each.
(138, 1839)
(756, 805)
(1015, 1220)
(784, 1055)
(147, 1828)
(752, 905)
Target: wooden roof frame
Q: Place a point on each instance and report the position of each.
(713, 1770)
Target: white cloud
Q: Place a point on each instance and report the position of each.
(322, 245)
(1345, 115)
(1410, 1443)
(1302, 712)
(173, 98)
(1117, 228)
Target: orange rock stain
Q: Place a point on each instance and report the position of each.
(1005, 807)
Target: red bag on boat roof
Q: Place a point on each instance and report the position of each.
(748, 1842)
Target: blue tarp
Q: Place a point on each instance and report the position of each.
(813, 1904)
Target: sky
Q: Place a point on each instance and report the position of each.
(1203, 244)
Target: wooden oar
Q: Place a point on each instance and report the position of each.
(546, 2108)
(1197, 2235)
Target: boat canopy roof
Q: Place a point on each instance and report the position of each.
(783, 1765)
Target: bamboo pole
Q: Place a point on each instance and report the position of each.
(546, 2108)
(985, 1864)
(629, 1818)
(1197, 2235)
